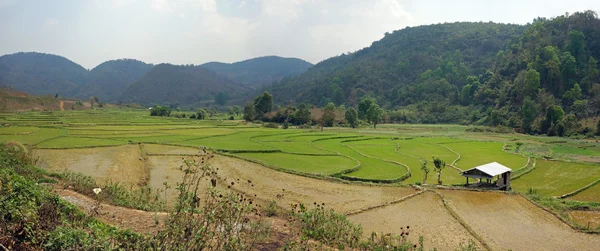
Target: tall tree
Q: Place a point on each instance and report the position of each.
(532, 82)
(374, 114)
(328, 115)
(263, 104)
(302, 115)
(568, 70)
(352, 117)
(529, 112)
(364, 105)
(576, 44)
(236, 110)
(592, 75)
(425, 170)
(249, 112)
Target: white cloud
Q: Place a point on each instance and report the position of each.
(184, 5)
(51, 22)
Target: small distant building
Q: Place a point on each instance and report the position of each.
(486, 173)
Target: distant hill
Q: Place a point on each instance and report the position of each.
(260, 71)
(39, 73)
(183, 85)
(110, 79)
(540, 78)
(398, 61)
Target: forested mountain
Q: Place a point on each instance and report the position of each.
(540, 77)
(261, 71)
(183, 85)
(401, 60)
(110, 79)
(39, 73)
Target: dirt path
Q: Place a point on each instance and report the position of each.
(61, 104)
(125, 218)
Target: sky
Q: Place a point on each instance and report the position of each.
(90, 32)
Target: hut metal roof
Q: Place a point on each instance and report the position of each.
(490, 169)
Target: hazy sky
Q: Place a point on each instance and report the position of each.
(197, 31)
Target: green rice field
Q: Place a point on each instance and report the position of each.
(391, 154)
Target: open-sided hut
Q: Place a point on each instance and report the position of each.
(487, 172)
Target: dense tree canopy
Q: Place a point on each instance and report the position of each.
(471, 73)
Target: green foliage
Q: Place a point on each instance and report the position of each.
(351, 116)
(425, 170)
(328, 115)
(39, 73)
(363, 106)
(271, 209)
(221, 98)
(573, 94)
(183, 84)
(439, 165)
(111, 78)
(249, 112)
(158, 110)
(202, 114)
(263, 104)
(261, 71)
(374, 114)
(302, 115)
(427, 78)
(327, 226)
(528, 112)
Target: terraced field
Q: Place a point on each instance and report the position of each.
(347, 169)
(555, 178)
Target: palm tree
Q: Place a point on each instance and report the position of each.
(439, 165)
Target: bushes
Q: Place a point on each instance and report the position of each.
(31, 217)
(327, 226)
(158, 110)
(271, 125)
(144, 198)
(335, 230)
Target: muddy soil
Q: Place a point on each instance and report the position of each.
(267, 184)
(121, 164)
(511, 222)
(170, 150)
(426, 216)
(586, 218)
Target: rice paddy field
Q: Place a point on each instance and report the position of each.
(359, 171)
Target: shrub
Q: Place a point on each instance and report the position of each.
(327, 226)
(271, 209)
(271, 125)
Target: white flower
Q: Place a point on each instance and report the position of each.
(97, 190)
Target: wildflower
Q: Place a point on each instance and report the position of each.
(97, 190)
